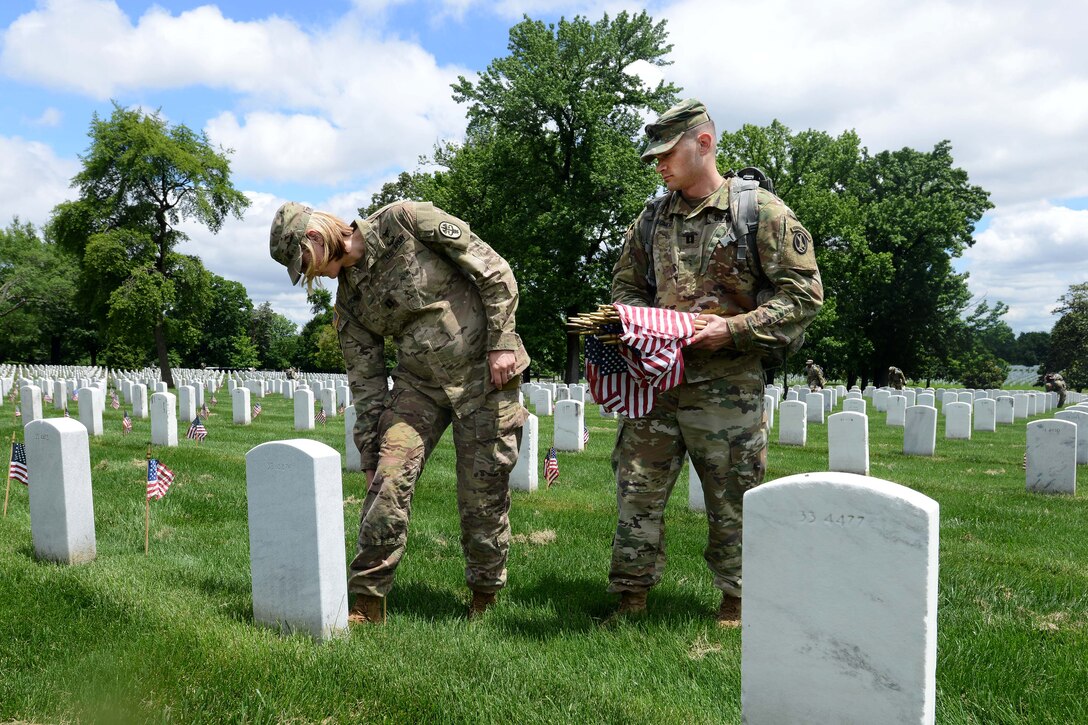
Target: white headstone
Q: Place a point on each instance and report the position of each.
(848, 442)
(880, 400)
(814, 404)
(768, 407)
(577, 392)
(985, 415)
(304, 409)
(295, 502)
(1020, 407)
(829, 399)
(1006, 409)
(353, 459)
(957, 421)
(60, 395)
(920, 431)
(289, 389)
(562, 393)
(30, 403)
(897, 411)
(911, 396)
(569, 426)
(792, 423)
(343, 395)
(840, 602)
(328, 401)
(793, 395)
(1052, 456)
(139, 401)
(696, 499)
(61, 503)
(927, 399)
(542, 402)
(854, 405)
(187, 405)
(1080, 418)
(239, 403)
(526, 474)
(164, 419)
(90, 411)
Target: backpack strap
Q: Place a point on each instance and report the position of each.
(646, 228)
(745, 213)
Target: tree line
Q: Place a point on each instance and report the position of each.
(549, 175)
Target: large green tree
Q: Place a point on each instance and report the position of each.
(549, 173)
(141, 177)
(886, 228)
(274, 337)
(1069, 338)
(226, 342)
(41, 320)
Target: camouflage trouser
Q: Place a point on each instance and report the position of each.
(721, 426)
(486, 444)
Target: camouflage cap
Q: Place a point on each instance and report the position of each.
(288, 228)
(662, 134)
(808, 362)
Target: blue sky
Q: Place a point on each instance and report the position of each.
(325, 100)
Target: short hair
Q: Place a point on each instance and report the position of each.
(704, 127)
(333, 233)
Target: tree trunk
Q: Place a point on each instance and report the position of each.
(574, 370)
(164, 358)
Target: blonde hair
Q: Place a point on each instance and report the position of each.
(333, 233)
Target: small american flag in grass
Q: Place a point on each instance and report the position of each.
(159, 478)
(197, 431)
(17, 468)
(551, 467)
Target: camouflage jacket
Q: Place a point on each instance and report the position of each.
(815, 376)
(443, 295)
(896, 378)
(694, 261)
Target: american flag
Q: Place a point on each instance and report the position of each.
(624, 378)
(159, 478)
(75, 397)
(126, 424)
(18, 413)
(585, 434)
(551, 467)
(197, 431)
(204, 412)
(47, 398)
(256, 409)
(340, 410)
(114, 402)
(321, 417)
(214, 401)
(17, 468)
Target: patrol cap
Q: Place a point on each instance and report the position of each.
(284, 240)
(662, 134)
(808, 362)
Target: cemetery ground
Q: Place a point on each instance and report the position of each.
(170, 637)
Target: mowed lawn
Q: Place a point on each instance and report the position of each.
(170, 637)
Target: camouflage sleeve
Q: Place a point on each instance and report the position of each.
(491, 274)
(364, 358)
(789, 262)
(631, 283)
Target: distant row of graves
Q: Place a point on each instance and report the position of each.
(840, 589)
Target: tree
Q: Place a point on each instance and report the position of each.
(40, 316)
(1032, 348)
(274, 337)
(312, 353)
(549, 174)
(1069, 338)
(141, 177)
(226, 341)
(886, 228)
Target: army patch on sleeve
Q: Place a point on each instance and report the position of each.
(800, 241)
(449, 230)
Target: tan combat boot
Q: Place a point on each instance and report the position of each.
(632, 604)
(481, 602)
(367, 609)
(729, 611)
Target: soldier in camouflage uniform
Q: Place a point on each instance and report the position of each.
(814, 375)
(414, 273)
(690, 263)
(1054, 382)
(896, 378)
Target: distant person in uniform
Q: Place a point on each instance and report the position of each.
(1054, 382)
(414, 273)
(814, 374)
(896, 379)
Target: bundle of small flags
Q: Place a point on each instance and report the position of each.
(551, 467)
(159, 478)
(197, 431)
(256, 410)
(17, 469)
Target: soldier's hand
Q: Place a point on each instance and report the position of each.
(503, 366)
(714, 336)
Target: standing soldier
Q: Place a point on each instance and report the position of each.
(684, 253)
(896, 378)
(1054, 382)
(414, 273)
(814, 374)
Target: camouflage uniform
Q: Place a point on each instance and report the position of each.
(896, 378)
(447, 299)
(1056, 383)
(716, 416)
(814, 374)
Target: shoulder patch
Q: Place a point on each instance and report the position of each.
(450, 230)
(800, 241)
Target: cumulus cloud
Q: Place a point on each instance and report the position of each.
(1028, 257)
(33, 179)
(49, 118)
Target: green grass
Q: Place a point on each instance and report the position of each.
(170, 637)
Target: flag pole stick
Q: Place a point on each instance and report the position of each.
(147, 511)
(7, 490)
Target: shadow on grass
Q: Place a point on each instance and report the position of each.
(427, 601)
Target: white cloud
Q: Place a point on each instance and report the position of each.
(32, 180)
(1028, 257)
(49, 118)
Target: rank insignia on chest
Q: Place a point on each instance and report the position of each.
(689, 237)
